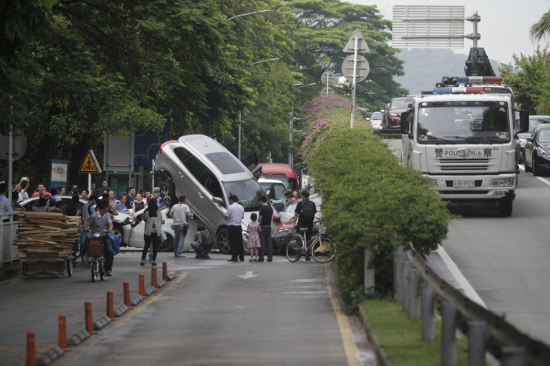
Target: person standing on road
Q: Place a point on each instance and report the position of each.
(304, 216)
(130, 197)
(104, 187)
(235, 214)
(156, 196)
(5, 204)
(100, 222)
(121, 205)
(180, 212)
(253, 242)
(138, 203)
(266, 214)
(152, 231)
(73, 208)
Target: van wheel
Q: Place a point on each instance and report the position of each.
(167, 245)
(168, 193)
(223, 241)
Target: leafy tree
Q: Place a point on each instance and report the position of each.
(541, 29)
(529, 77)
(325, 26)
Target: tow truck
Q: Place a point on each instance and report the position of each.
(462, 136)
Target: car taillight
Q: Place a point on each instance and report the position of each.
(275, 218)
(164, 144)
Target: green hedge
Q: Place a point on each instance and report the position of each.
(371, 201)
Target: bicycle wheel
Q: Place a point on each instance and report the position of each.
(294, 248)
(322, 250)
(94, 270)
(101, 269)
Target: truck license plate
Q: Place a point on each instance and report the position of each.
(464, 183)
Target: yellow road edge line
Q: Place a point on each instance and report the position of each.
(348, 341)
(79, 350)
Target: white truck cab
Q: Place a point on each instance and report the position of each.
(463, 139)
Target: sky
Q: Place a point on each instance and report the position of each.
(504, 25)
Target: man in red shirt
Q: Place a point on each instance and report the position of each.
(41, 191)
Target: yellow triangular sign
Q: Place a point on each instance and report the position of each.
(89, 164)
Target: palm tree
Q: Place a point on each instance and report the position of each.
(541, 28)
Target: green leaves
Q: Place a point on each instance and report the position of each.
(369, 200)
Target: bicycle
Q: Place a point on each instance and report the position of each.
(95, 253)
(321, 247)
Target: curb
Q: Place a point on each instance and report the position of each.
(377, 348)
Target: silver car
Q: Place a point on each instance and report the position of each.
(207, 174)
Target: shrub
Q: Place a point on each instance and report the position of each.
(371, 202)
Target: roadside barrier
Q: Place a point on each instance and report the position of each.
(90, 326)
(110, 305)
(164, 271)
(141, 284)
(419, 288)
(127, 294)
(31, 348)
(62, 333)
(154, 277)
(89, 318)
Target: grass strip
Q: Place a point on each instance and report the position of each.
(401, 338)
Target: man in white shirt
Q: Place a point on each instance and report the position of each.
(180, 212)
(235, 214)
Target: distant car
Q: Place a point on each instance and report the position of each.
(207, 174)
(392, 113)
(376, 120)
(537, 150)
(276, 191)
(534, 121)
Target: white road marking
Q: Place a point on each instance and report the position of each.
(468, 289)
(248, 274)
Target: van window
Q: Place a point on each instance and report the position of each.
(192, 163)
(248, 191)
(226, 163)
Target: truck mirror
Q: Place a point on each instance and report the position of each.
(523, 121)
(405, 122)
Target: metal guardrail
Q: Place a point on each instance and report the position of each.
(389, 133)
(8, 232)
(419, 288)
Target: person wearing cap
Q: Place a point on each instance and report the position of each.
(156, 196)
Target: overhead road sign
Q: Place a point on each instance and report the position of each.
(428, 26)
(89, 164)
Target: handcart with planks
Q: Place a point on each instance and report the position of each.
(45, 241)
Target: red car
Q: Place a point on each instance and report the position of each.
(392, 113)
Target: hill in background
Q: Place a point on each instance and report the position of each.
(425, 67)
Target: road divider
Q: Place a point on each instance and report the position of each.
(62, 333)
(110, 305)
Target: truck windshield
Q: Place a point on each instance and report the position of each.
(463, 122)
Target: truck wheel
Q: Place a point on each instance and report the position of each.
(505, 206)
(168, 193)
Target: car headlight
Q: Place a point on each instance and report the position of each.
(394, 115)
(543, 152)
(502, 182)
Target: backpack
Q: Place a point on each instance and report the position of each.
(308, 210)
(206, 239)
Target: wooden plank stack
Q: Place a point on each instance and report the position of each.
(46, 235)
